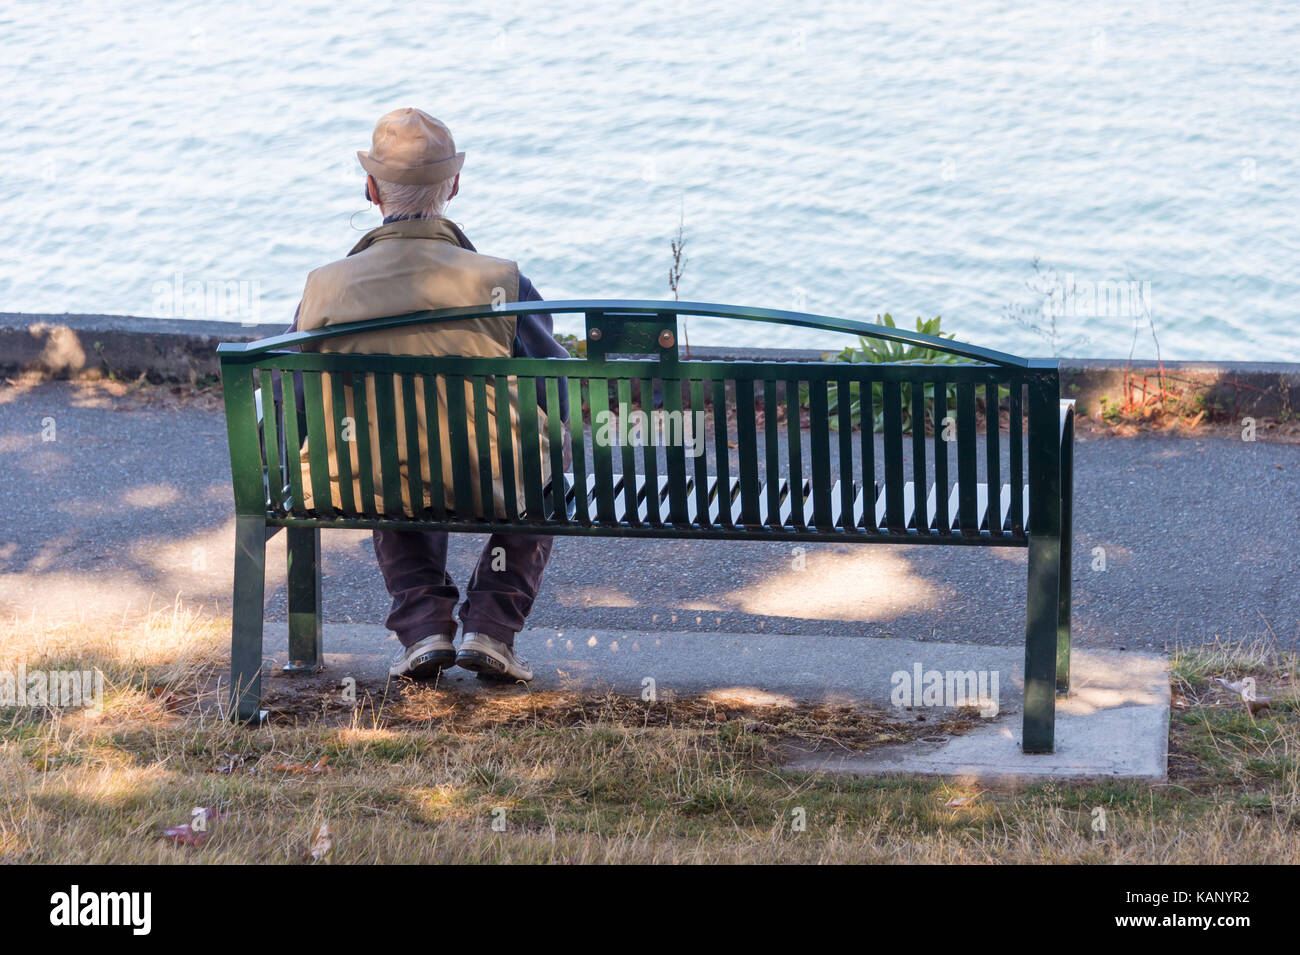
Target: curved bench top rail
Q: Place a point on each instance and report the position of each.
(615, 308)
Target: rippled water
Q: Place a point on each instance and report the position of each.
(851, 159)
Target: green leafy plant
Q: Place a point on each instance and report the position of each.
(575, 346)
(878, 352)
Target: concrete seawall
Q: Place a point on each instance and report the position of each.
(182, 350)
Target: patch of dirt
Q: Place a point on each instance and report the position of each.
(120, 395)
(403, 703)
(1266, 429)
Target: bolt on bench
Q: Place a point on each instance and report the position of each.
(817, 481)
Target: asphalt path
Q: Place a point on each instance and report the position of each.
(1177, 539)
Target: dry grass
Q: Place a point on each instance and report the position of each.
(421, 775)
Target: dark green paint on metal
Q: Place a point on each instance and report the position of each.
(576, 430)
(343, 446)
(386, 418)
(771, 453)
(483, 441)
(747, 455)
(892, 402)
(555, 424)
(794, 451)
(292, 442)
(365, 460)
(505, 445)
(411, 414)
(967, 465)
(458, 436)
(721, 451)
(530, 448)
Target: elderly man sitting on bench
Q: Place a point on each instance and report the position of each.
(418, 260)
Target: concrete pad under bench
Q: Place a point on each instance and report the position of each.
(1115, 722)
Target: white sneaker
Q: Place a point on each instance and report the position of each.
(491, 659)
(424, 659)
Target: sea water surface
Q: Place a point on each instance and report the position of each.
(1133, 166)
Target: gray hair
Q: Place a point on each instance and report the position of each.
(415, 199)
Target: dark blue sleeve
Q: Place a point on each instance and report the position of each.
(535, 338)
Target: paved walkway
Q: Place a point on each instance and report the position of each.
(1200, 538)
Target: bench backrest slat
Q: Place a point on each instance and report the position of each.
(819, 440)
(271, 441)
(794, 450)
(1015, 458)
(601, 450)
(530, 446)
(289, 388)
(628, 456)
(771, 455)
(344, 435)
(386, 422)
(844, 398)
(458, 436)
(920, 518)
(414, 457)
(992, 457)
(892, 400)
(361, 386)
(501, 391)
(871, 487)
(482, 442)
(582, 513)
(747, 454)
(649, 456)
(939, 423)
(722, 452)
(967, 464)
(701, 460)
(555, 426)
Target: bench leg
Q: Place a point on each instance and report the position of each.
(1067, 568)
(1063, 614)
(1041, 634)
(246, 619)
(304, 600)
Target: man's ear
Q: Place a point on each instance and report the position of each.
(372, 191)
(455, 188)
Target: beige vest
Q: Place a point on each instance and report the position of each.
(410, 266)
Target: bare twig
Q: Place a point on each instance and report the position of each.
(675, 272)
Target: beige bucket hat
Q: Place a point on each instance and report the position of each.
(410, 146)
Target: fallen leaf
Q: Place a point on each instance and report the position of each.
(1259, 703)
(194, 833)
(321, 843)
(306, 769)
(185, 835)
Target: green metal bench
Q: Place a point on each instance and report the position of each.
(818, 481)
